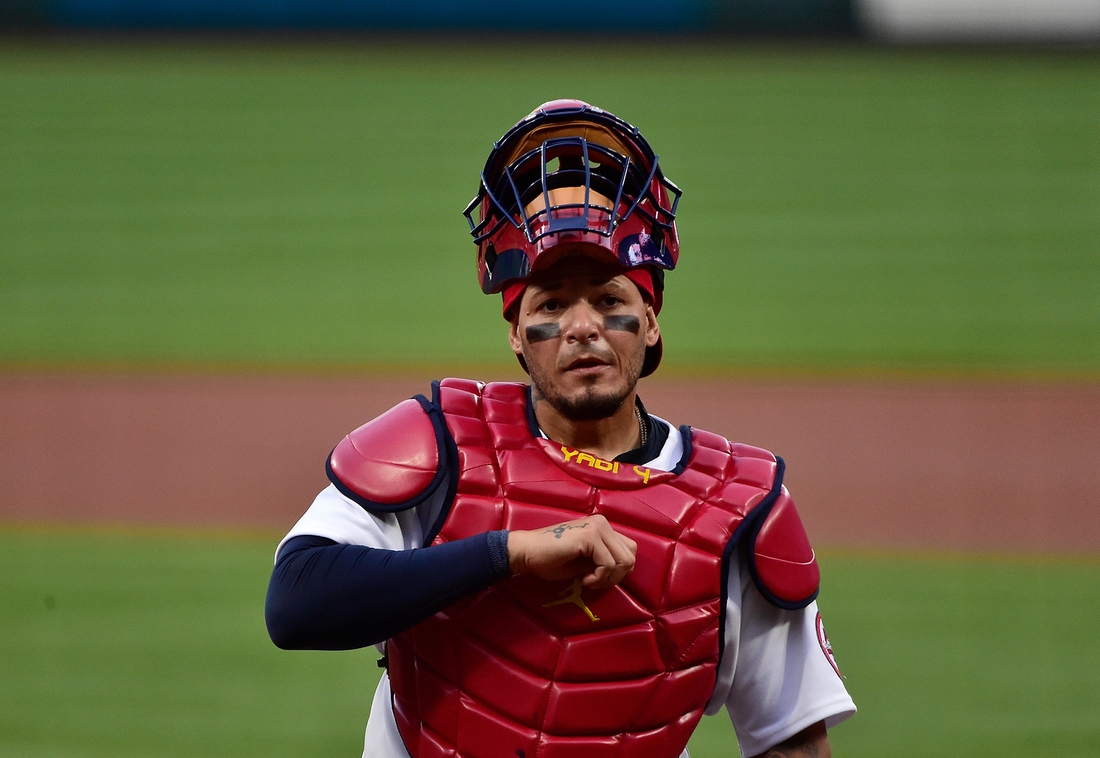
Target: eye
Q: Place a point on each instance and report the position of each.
(549, 306)
(610, 301)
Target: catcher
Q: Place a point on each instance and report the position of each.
(549, 569)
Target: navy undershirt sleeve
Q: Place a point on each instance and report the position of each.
(327, 596)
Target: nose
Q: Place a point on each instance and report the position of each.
(581, 324)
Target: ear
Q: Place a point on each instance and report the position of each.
(513, 337)
(652, 328)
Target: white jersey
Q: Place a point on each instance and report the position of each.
(776, 677)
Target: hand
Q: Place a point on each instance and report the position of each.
(586, 547)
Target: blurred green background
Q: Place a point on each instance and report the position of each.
(846, 208)
(152, 644)
(293, 205)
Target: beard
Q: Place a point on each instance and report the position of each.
(591, 403)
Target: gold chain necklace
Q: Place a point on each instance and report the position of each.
(641, 425)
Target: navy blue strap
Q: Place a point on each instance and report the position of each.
(656, 437)
(327, 596)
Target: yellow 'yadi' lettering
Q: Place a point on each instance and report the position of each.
(587, 459)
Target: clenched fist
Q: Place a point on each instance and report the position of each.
(585, 547)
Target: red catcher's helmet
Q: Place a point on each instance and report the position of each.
(571, 177)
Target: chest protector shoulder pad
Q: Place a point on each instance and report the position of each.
(533, 668)
(392, 462)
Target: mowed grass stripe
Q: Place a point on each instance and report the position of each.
(153, 644)
(250, 204)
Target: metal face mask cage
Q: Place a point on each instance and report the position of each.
(572, 190)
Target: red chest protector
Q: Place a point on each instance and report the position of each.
(531, 668)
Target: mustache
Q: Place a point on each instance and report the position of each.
(586, 353)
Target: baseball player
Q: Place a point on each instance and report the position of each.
(551, 570)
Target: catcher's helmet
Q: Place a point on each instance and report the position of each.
(572, 177)
(571, 174)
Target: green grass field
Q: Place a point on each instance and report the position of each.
(298, 205)
(247, 204)
(153, 644)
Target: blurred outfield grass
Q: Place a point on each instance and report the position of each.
(152, 644)
(846, 208)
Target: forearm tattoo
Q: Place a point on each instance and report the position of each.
(559, 530)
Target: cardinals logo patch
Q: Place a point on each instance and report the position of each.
(826, 646)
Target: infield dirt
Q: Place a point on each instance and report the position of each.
(933, 465)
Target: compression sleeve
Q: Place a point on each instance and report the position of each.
(328, 596)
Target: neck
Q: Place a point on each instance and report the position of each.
(604, 438)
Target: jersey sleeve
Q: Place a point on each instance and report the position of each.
(335, 516)
(778, 674)
(345, 577)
